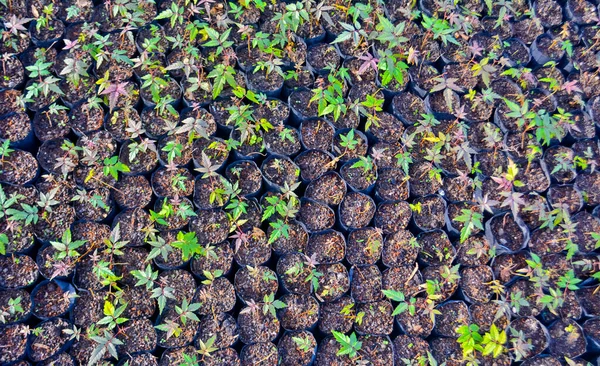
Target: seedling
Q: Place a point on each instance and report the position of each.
(205, 349)
(469, 339)
(350, 345)
(303, 344)
(403, 305)
(270, 305)
(348, 140)
(113, 315)
(471, 220)
(14, 308)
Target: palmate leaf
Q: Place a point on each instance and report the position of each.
(280, 228)
(349, 344)
(114, 91)
(145, 278)
(222, 76)
(107, 343)
(471, 220)
(188, 244)
(161, 295)
(206, 348)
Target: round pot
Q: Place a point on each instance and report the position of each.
(502, 248)
(538, 55)
(366, 190)
(65, 286)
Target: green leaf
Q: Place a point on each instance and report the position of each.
(3, 243)
(350, 344)
(109, 308)
(188, 244)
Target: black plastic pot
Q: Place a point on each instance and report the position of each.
(64, 347)
(311, 228)
(143, 171)
(587, 128)
(27, 311)
(292, 334)
(310, 298)
(287, 89)
(177, 97)
(446, 220)
(328, 125)
(423, 334)
(436, 330)
(39, 262)
(502, 245)
(518, 43)
(408, 121)
(532, 324)
(148, 133)
(358, 135)
(160, 262)
(44, 43)
(593, 342)
(271, 93)
(296, 116)
(396, 175)
(591, 106)
(461, 294)
(28, 142)
(577, 17)
(539, 56)
(438, 114)
(338, 219)
(197, 163)
(554, 204)
(367, 190)
(270, 185)
(555, 344)
(233, 165)
(303, 177)
(316, 39)
(237, 155)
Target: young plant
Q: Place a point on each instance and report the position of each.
(368, 167)
(471, 220)
(206, 348)
(269, 66)
(521, 346)
(159, 247)
(280, 229)
(348, 312)
(112, 315)
(350, 345)
(370, 107)
(270, 305)
(107, 343)
(222, 75)
(469, 339)
(493, 342)
(66, 247)
(186, 311)
(188, 244)
(112, 166)
(14, 307)
(303, 344)
(403, 305)
(314, 275)
(148, 278)
(348, 140)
